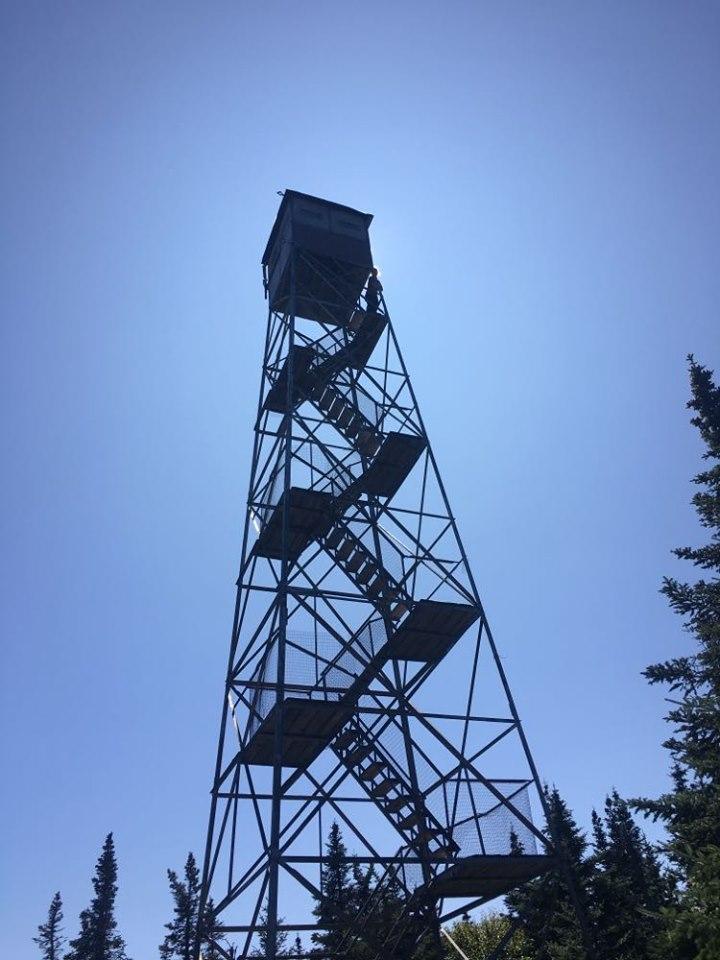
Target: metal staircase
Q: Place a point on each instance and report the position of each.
(322, 379)
(364, 569)
(389, 786)
(316, 362)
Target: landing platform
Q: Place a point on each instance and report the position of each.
(431, 629)
(276, 399)
(488, 876)
(309, 517)
(394, 461)
(308, 726)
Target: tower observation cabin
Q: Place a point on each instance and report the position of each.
(333, 259)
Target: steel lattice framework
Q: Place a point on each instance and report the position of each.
(363, 682)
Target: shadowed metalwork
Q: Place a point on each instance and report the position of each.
(363, 682)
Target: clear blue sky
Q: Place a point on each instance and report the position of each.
(544, 180)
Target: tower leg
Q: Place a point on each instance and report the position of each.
(282, 595)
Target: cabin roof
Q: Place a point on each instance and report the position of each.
(291, 194)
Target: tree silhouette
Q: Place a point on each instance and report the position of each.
(628, 887)
(335, 905)
(98, 938)
(690, 811)
(281, 936)
(545, 906)
(479, 938)
(180, 939)
(179, 942)
(50, 938)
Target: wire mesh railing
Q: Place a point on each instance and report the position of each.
(470, 813)
(318, 666)
(330, 345)
(353, 393)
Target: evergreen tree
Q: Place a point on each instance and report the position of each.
(334, 908)
(50, 938)
(628, 887)
(478, 938)
(356, 914)
(392, 930)
(690, 811)
(210, 937)
(297, 950)
(365, 927)
(693, 927)
(98, 938)
(363, 917)
(545, 906)
(182, 930)
(363, 882)
(281, 936)
(180, 939)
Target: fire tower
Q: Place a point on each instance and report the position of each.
(363, 682)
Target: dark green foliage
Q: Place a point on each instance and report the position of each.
(210, 937)
(545, 905)
(628, 888)
(692, 931)
(392, 929)
(180, 939)
(98, 938)
(620, 886)
(179, 942)
(690, 811)
(50, 938)
(478, 938)
(363, 915)
(261, 948)
(336, 905)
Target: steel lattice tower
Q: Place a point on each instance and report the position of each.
(363, 682)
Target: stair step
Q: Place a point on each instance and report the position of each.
(336, 408)
(369, 443)
(384, 787)
(327, 397)
(397, 803)
(344, 551)
(334, 538)
(345, 417)
(372, 770)
(398, 611)
(353, 428)
(410, 821)
(358, 754)
(345, 738)
(374, 588)
(368, 571)
(316, 391)
(426, 835)
(355, 562)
